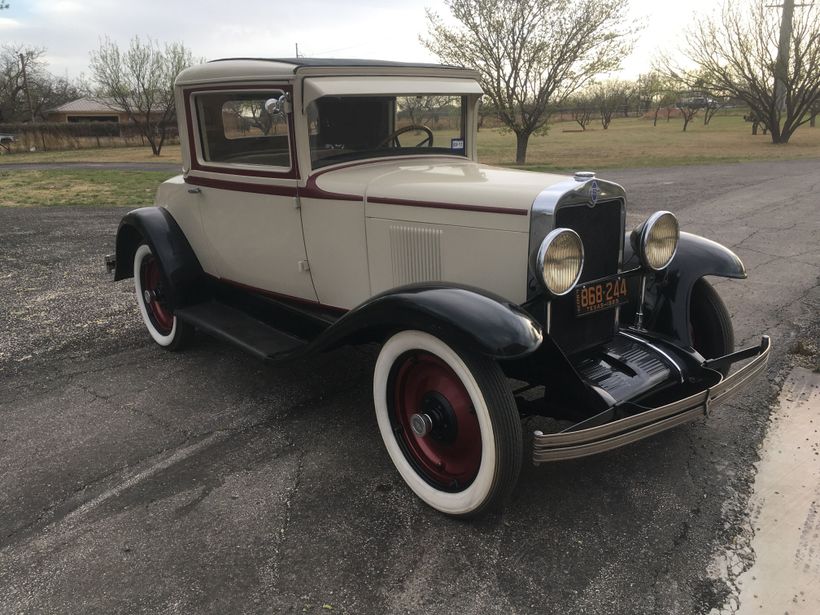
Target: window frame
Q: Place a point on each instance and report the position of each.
(195, 145)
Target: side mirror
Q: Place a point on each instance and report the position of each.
(277, 106)
(273, 106)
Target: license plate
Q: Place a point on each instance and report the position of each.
(597, 296)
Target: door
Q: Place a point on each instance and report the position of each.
(244, 167)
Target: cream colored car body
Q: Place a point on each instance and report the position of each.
(342, 233)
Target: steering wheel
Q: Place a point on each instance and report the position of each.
(393, 137)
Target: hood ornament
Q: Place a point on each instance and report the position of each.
(594, 188)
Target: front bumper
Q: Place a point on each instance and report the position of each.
(572, 444)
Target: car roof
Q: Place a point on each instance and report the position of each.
(255, 69)
(336, 62)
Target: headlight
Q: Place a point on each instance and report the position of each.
(560, 260)
(656, 240)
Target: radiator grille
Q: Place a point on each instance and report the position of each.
(415, 253)
(601, 230)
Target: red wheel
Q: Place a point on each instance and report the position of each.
(449, 422)
(439, 430)
(153, 295)
(151, 291)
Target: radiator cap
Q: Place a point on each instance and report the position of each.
(582, 176)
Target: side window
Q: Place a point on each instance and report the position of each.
(236, 128)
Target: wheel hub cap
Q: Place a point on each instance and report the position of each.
(421, 424)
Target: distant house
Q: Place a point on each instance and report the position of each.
(87, 109)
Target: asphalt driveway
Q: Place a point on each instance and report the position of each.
(136, 480)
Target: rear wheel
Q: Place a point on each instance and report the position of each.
(151, 291)
(710, 325)
(449, 422)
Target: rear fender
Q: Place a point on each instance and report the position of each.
(668, 293)
(179, 264)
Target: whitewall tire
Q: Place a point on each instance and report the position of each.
(449, 422)
(149, 285)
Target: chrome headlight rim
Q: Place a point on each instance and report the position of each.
(646, 231)
(548, 241)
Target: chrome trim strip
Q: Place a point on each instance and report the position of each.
(572, 445)
(592, 448)
(549, 317)
(567, 192)
(658, 350)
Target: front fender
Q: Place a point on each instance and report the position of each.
(668, 293)
(462, 316)
(179, 264)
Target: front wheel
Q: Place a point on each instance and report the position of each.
(449, 422)
(151, 291)
(710, 325)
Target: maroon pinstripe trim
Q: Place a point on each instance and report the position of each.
(278, 296)
(313, 191)
(455, 206)
(293, 173)
(242, 187)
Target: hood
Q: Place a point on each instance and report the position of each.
(410, 189)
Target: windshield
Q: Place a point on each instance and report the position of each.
(359, 127)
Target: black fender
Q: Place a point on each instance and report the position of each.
(668, 293)
(179, 264)
(462, 316)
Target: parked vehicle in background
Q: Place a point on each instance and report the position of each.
(330, 202)
(6, 140)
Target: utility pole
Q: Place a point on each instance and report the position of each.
(297, 50)
(781, 70)
(25, 87)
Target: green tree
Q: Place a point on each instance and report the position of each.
(531, 54)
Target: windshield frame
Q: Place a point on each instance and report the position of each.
(465, 125)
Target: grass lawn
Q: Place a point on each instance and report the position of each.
(170, 154)
(629, 142)
(78, 187)
(632, 142)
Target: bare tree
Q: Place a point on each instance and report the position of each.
(609, 96)
(140, 80)
(581, 106)
(657, 92)
(27, 89)
(486, 109)
(20, 68)
(532, 54)
(738, 52)
(688, 110)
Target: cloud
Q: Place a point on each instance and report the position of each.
(71, 29)
(9, 24)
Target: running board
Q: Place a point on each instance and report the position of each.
(227, 323)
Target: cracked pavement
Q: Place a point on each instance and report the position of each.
(136, 480)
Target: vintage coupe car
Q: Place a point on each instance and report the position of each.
(330, 202)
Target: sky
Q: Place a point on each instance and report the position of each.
(376, 29)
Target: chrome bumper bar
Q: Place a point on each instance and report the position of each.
(584, 442)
